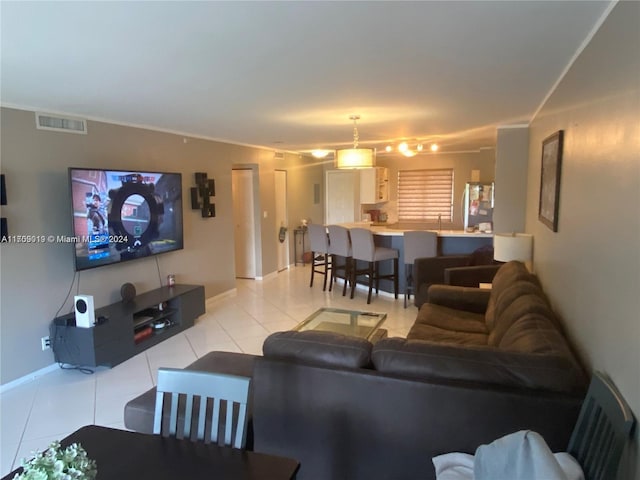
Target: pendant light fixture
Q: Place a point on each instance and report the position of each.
(355, 157)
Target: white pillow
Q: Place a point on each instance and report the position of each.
(524, 452)
(454, 466)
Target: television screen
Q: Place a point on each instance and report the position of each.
(124, 215)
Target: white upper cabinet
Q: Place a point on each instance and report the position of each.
(374, 185)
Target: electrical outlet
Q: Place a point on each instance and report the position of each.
(46, 343)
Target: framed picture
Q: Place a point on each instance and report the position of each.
(550, 180)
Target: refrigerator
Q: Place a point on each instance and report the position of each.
(478, 206)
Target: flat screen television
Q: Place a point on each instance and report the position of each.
(123, 215)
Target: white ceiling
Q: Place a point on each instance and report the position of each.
(287, 75)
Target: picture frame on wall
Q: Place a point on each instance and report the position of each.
(550, 173)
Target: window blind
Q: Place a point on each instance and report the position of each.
(425, 194)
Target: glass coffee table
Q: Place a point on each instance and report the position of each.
(347, 322)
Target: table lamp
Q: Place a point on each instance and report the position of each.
(513, 246)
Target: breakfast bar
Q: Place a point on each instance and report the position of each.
(450, 242)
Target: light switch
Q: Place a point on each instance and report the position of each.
(264, 214)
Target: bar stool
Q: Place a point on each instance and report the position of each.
(319, 252)
(364, 249)
(340, 246)
(417, 244)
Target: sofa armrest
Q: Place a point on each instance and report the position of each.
(461, 298)
(430, 270)
(470, 276)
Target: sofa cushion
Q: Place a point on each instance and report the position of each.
(517, 301)
(451, 319)
(470, 299)
(507, 275)
(421, 331)
(428, 360)
(319, 348)
(481, 256)
(535, 333)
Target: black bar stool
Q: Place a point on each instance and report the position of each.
(319, 241)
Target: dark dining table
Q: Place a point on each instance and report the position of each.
(125, 455)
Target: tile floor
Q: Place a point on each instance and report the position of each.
(54, 405)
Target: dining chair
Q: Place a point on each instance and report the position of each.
(209, 394)
(364, 249)
(340, 246)
(417, 244)
(604, 426)
(320, 262)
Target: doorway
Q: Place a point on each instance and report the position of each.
(342, 190)
(244, 219)
(281, 219)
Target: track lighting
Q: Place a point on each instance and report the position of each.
(405, 149)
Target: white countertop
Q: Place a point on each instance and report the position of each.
(395, 231)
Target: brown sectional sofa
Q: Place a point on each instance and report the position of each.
(508, 335)
(346, 408)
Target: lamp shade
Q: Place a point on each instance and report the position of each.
(355, 158)
(512, 246)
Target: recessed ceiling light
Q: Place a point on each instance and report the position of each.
(434, 147)
(320, 153)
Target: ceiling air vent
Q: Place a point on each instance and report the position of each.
(61, 124)
(278, 155)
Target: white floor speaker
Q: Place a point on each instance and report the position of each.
(85, 313)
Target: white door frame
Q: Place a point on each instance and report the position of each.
(242, 180)
(281, 218)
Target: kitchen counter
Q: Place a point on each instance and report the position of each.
(450, 242)
(396, 230)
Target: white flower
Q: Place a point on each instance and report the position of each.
(57, 464)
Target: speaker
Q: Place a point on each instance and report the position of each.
(127, 292)
(85, 313)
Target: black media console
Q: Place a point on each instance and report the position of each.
(125, 329)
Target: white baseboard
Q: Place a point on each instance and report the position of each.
(229, 293)
(30, 377)
(268, 276)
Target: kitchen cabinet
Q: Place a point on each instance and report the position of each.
(374, 185)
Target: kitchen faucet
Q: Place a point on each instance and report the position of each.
(439, 222)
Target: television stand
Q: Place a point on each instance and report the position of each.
(124, 329)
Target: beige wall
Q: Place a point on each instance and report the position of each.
(462, 163)
(35, 279)
(512, 159)
(591, 266)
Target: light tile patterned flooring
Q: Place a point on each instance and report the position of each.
(57, 403)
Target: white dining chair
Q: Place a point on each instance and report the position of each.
(190, 390)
